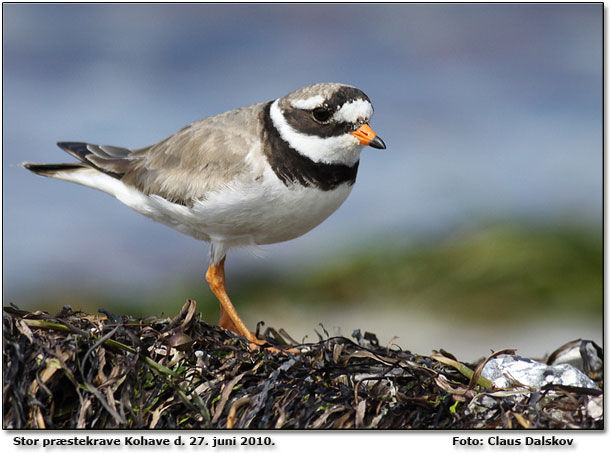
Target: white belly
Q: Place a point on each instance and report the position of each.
(258, 212)
(267, 212)
(243, 213)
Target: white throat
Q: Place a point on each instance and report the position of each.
(342, 149)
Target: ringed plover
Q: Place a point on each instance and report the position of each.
(260, 174)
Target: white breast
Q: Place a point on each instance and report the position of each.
(244, 212)
(266, 211)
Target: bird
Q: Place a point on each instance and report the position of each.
(256, 175)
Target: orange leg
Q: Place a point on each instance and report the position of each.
(226, 323)
(229, 316)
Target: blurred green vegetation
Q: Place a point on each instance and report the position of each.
(501, 271)
(498, 271)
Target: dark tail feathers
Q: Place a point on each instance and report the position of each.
(50, 169)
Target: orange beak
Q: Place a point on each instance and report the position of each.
(368, 137)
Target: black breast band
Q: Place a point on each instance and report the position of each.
(291, 167)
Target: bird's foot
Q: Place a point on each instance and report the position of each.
(255, 343)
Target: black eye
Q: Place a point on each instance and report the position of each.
(321, 114)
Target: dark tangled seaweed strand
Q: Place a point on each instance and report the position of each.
(75, 370)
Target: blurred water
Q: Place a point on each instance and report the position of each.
(422, 331)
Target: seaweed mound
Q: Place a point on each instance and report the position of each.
(77, 370)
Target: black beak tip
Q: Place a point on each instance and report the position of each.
(377, 143)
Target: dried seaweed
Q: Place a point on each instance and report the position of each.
(75, 370)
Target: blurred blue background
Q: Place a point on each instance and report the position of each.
(489, 111)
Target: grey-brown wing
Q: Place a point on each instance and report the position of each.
(111, 160)
(200, 158)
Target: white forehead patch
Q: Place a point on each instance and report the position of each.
(309, 103)
(354, 111)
